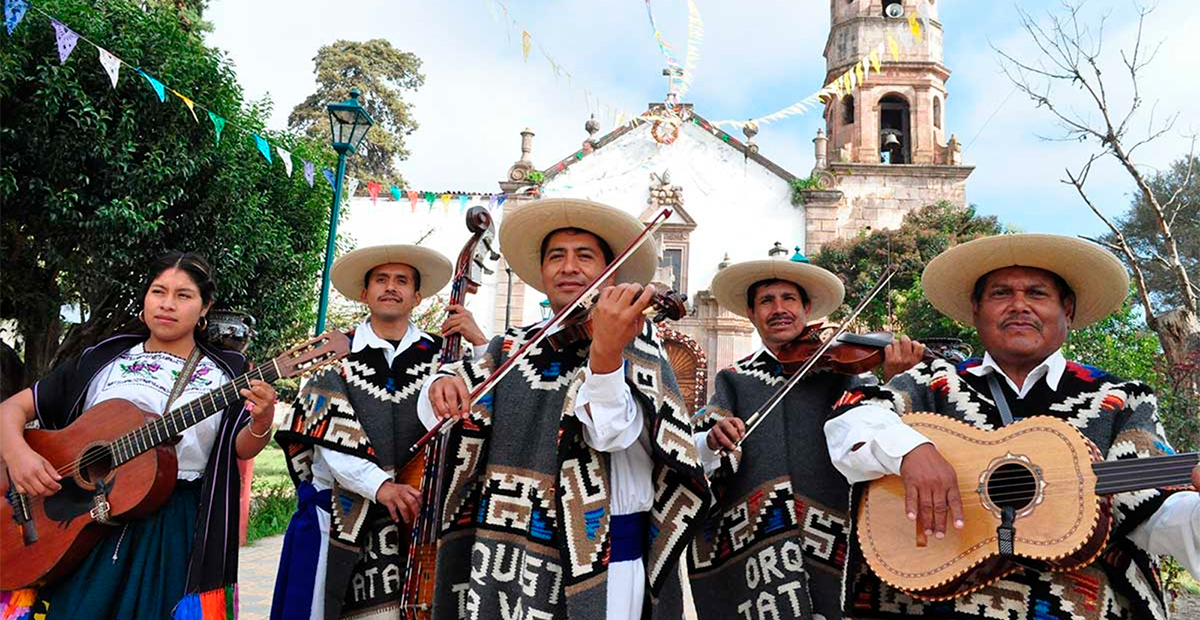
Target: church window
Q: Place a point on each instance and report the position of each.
(937, 113)
(848, 110)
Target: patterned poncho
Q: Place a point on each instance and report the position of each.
(774, 543)
(525, 529)
(365, 408)
(1119, 416)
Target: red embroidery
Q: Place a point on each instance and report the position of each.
(849, 398)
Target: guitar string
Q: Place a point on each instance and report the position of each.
(126, 441)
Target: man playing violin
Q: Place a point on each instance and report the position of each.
(348, 434)
(575, 485)
(1022, 293)
(774, 543)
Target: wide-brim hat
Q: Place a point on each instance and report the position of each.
(349, 269)
(524, 229)
(1099, 280)
(825, 291)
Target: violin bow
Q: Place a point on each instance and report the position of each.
(584, 296)
(754, 420)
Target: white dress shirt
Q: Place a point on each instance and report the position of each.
(1174, 529)
(612, 422)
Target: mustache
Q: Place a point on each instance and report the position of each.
(780, 316)
(1020, 320)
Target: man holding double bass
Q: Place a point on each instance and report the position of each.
(1022, 293)
(575, 485)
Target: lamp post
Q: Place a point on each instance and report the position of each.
(348, 123)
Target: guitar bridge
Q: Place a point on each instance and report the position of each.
(101, 510)
(23, 516)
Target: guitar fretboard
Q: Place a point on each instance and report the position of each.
(161, 430)
(1146, 473)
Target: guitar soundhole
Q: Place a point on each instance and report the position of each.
(1013, 485)
(95, 464)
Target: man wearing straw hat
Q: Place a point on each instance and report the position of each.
(348, 434)
(1022, 293)
(774, 543)
(575, 485)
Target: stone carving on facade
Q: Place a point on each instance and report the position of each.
(662, 193)
(518, 173)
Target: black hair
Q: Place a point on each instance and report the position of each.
(753, 290)
(1065, 292)
(604, 249)
(416, 276)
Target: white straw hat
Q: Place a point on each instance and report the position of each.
(350, 269)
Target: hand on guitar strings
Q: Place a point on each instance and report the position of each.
(460, 321)
(260, 400)
(31, 474)
(401, 501)
(930, 492)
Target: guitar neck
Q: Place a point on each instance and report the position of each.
(161, 430)
(1146, 473)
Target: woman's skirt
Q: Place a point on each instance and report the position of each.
(138, 572)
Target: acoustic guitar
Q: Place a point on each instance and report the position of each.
(116, 466)
(1039, 478)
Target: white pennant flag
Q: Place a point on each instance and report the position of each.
(111, 64)
(351, 187)
(286, 156)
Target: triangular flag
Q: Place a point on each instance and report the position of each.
(66, 40)
(525, 41)
(111, 64)
(187, 102)
(850, 81)
(286, 156)
(874, 57)
(462, 202)
(310, 171)
(263, 147)
(446, 203)
(373, 189)
(14, 12)
(501, 199)
(395, 192)
(218, 124)
(892, 47)
(491, 202)
(914, 26)
(328, 175)
(923, 14)
(430, 197)
(858, 71)
(413, 197)
(351, 187)
(159, 89)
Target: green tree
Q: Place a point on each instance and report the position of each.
(1140, 227)
(923, 234)
(382, 74)
(96, 181)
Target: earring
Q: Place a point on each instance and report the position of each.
(140, 316)
(202, 324)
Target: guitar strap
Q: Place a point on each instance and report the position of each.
(185, 376)
(998, 396)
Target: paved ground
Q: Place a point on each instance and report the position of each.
(257, 565)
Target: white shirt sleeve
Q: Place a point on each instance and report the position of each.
(709, 458)
(1173, 529)
(611, 419)
(479, 351)
(354, 473)
(424, 406)
(884, 437)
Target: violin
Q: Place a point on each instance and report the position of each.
(578, 324)
(854, 354)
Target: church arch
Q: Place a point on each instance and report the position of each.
(895, 129)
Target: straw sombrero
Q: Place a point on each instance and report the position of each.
(1099, 280)
(523, 230)
(824, 289)
(349, 269)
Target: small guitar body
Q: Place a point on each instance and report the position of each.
(1041, 466)
(94, 498)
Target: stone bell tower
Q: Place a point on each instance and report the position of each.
(884, 150)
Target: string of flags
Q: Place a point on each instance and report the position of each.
(497, 8)
(681, 74)
(67, 39)
(849, 81)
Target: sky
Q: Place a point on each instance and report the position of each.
(756, 57)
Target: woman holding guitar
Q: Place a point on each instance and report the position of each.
(182, 558)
